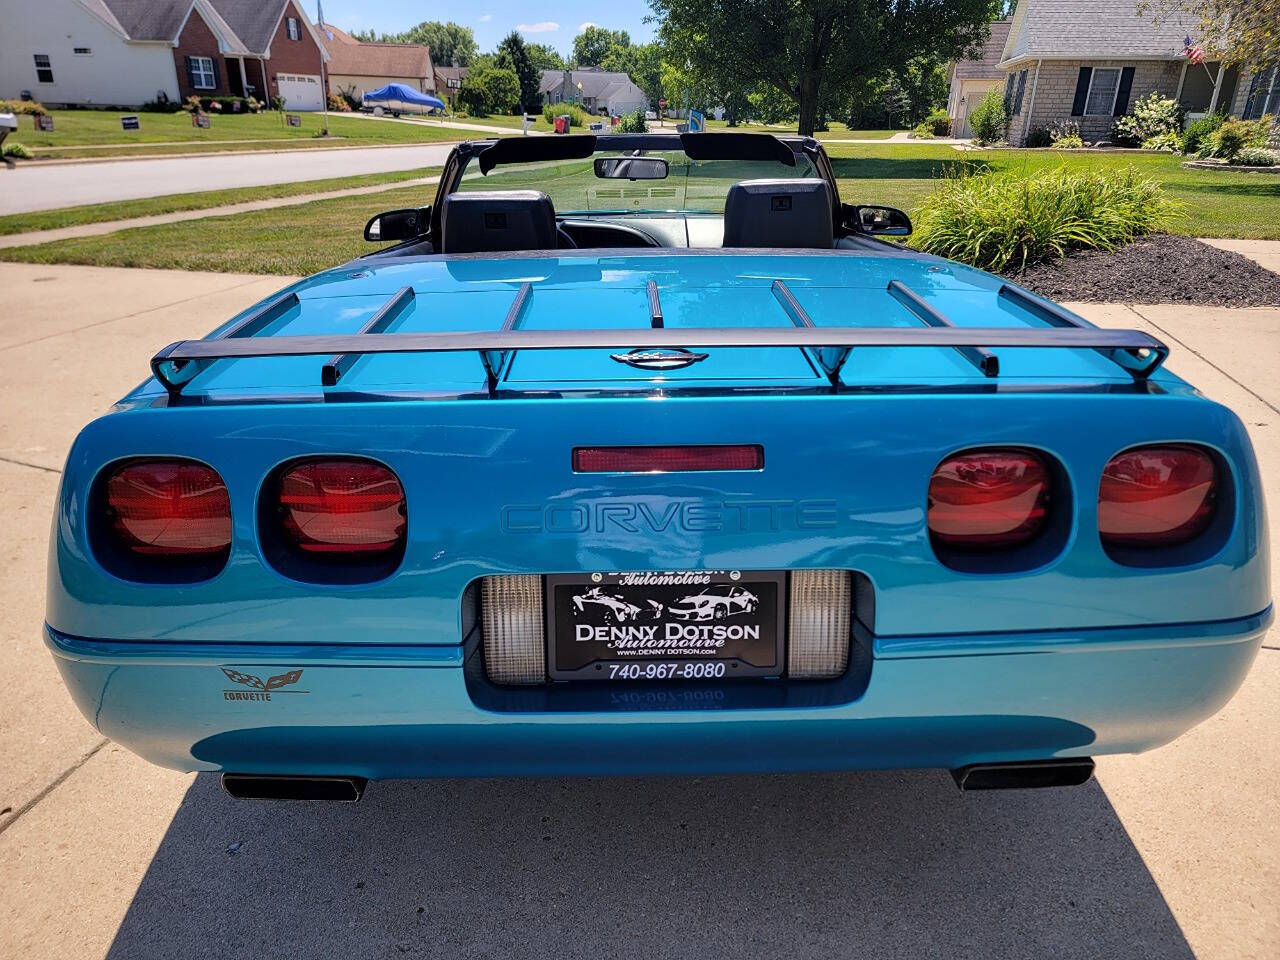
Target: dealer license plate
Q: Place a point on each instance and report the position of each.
(672, 626)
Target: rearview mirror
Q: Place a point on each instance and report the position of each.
(631, 168)
(879, 221)
(397, 225)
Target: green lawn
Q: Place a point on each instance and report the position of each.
(1213, 204)
(124, 209)
(310, 237)
(97, 133)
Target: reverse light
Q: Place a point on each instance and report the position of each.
(342, 508)
(989, 499)
(1157, 496)
(169, 508)
(668, 459)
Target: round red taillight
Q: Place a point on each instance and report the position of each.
(1158, 496)
(342, 507)
(989, 499)
(174, 508)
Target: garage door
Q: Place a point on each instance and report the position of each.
(301, 91)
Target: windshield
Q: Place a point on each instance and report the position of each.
(690, 186)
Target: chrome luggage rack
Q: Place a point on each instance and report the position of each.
(1138, 354)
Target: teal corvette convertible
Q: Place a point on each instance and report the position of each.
(648, 454)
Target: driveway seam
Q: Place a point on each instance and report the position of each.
(57, 782)
(33, 466)
(1194, 352)
(136, 313)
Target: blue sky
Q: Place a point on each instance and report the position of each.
(539, 21)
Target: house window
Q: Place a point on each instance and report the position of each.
(1264, 94)
(202, 75)
(1103, 86)
(44, 69)
(1017, 98)
(82, 51)
(291, 24)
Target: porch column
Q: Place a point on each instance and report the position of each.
(244, 80)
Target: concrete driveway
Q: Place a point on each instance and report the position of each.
(32, 187)
(1172, 854)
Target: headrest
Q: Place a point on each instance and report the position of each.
(479, 221)
(779, 213)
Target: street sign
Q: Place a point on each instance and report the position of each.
(130, 123)
(662, 104)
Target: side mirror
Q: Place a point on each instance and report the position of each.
(397, 225)
(878, 221)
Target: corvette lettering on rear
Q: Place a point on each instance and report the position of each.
(679, 516)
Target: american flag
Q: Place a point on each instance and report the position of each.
(1194, 54)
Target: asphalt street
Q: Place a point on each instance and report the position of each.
(31, 187)
(1171, 854)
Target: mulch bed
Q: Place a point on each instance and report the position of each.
(1156, 269)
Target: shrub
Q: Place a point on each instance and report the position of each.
(1151, 116)
(577, 116)
(1169, 142)
(30, 108)
(338, 103)
(989, 119)
(19, 150)
(938, 122)
(1038, 138)
(1000, 221)
(1233, 136)
(194, 104)
(1229, 139)
(1197, 130)
(632, 123)
(1065, 135)
(922, 131)
(489, 90)
(1258, 157)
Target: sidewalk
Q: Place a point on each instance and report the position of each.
(227, 210)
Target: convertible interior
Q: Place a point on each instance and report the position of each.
(635, 191)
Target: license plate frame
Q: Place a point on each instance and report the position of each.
(624, 602)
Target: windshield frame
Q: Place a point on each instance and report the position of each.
(750, 146)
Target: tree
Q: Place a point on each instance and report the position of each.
(894, 99)
(489, 90)
(591, 45)
(816, 51)
(1233, 31)
(451, 45)
(514, 56)
(545, 57)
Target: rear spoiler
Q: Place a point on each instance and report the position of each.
(1138, 354)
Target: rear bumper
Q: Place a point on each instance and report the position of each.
(390, 712)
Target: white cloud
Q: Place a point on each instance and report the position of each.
(543, 26)
(486, 18)
(589, 23)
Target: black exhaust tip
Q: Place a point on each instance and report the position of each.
(255, 786)
(1024, 774)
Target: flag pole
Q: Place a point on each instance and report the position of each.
(324, 79)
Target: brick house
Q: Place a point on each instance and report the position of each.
(448, 82)
(1088, 61)
(286, 46)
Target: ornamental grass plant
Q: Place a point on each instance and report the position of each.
(1002, 222)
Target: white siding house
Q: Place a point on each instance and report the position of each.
(75, 51)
